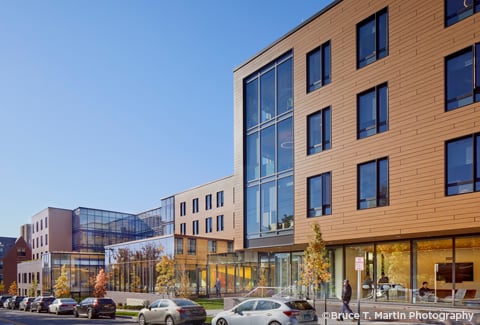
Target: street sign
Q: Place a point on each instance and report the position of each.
(359, 263)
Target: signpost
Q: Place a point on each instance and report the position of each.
(359, 265)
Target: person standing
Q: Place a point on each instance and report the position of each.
(346, 296)
(217, 287)
(384, 284)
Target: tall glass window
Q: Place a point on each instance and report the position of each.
(318, 67)
(462, 80)
(457, 10)
(372, 111)
(373, 184)
(372, 38)
(319, 131)
(463, 165)
(285, 202)
(319, 195)
(268, 100)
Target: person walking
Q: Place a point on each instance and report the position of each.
(346, 296)
(217, 287)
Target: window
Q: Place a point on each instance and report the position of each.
(179, 246)
(183, 228)
(192, 246)
(21, 251)
(212, 246)
(463, 165)
(463, 77)
(372, 111)
(183, 208)
(319, 195)
(220, 223)
(41, 224)
(319, 126)
(230, 247)
(1, 264)
(208, 202)
(46, 239)
(373, 184)
(219, 199)
(208, 225)
(195, 205)
(372, 38)
(195, 227)
(318, 67)
(457, 10)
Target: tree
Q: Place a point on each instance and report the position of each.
(61, 287)
(100, 284)
(2, 286)
(13, 289)
(32, 291)
(166, 274)
(316, 263)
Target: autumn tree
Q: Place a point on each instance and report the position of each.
(184, 280)
(61, 287)
(316, 263)
(13, 289)
(32, 290)
(166, 274)
(100, 284)
(2, 286)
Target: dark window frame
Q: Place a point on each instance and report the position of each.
(195, 205)
(195, 227)
(220, 199)
(464, 13)
(326, 207)
(208, 202)
(378, 112)
(183, 208)
(220, 222)
(378, 178)
(325, 73)
(377, 54)
(326, 142)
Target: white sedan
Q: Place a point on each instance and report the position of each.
(62, 306)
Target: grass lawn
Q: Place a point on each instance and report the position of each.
(210, 303)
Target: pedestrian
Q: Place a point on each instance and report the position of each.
(346, 296)
(217, 287)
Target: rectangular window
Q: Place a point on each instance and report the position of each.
(462, 81)
(21, 252)
(373, 184)
(195, 205)
(195, 227)
(230, 247)
(220, 223)
(219, 199)
(208, 202)
(192, 246)
(372, 111)
(183, 208)
(179, 246)
(463, 165)
(457, 10)
(319, 195)
(318, 67)
(212, 246)
(46, 239)
(183, 228)
(372, 38)
(46, 219)
(319, 129)
(208, 225)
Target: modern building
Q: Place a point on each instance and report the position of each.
(364, 119)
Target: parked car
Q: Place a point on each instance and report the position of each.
(3, 298)
(268, 311)
(172, 311)
(25, 303)
(7, 302)
(95, 307)
(41, 303)
(62, 306)
(15, 301)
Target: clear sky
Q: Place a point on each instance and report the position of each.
(115, 104)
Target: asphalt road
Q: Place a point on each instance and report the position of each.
(16, 317)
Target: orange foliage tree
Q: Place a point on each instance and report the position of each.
(100, 284)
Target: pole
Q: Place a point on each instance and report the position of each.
(358, 295)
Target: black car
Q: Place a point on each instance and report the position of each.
(95, 307)
(41, 303)
(15, 302)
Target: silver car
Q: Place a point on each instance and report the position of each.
(172, 311)
(272, 311)
(62, 306)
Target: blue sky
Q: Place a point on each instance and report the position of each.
(116, 104)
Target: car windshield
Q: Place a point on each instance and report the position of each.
(67, 300)
(184, 302)
(49, 299)
(299, 304)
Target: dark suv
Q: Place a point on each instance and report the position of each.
(41, 303)
(94, 307)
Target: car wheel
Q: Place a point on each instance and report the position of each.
(112, 316)
(75, 313)
(57, 312)
(169, 321)
(90, 314)
(141, 320)
(222, 321)
(39, 309)
(274, 323)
